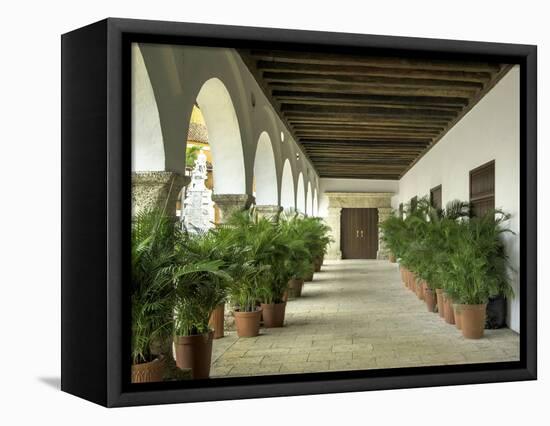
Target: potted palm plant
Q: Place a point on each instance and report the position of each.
(153, 237)
(200, 284)
(304, 243)
(250, 236)
(478, 269)
(317, 239)
(274, 291)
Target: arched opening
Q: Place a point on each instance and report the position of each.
(214, 156)
(265, 174)
(287, 187)
(309, 200)
(224, 137)
(300, 195)
(195, 207)
(315, 207)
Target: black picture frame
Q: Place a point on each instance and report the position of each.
(96, 180)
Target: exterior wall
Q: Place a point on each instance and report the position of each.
(175, 75)
(490, 131)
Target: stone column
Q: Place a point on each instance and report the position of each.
(269, 211)
(228, 203)
(156, 190)
(333, 220)
(383, 214)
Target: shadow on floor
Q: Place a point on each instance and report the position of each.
(54, 382)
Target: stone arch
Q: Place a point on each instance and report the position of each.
(300, 194)
(265, 172)
(288, 200)
(315, 206)
(309, 200)
(147, 141)
(224, 137)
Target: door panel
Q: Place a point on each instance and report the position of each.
(370, 238)
(359, 233)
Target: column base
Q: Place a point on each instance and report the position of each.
(228, 203)
(158, 190)
(269, 211)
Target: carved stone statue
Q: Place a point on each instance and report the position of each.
(198, 209)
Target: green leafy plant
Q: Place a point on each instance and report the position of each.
(251, 239)
(153, 261)
(463, 256)
(200, 281)
(297, 233)
(191, 153)
(477, 267)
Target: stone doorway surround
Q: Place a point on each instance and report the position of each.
(340, 200)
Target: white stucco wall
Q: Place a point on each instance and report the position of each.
(490, 131)
(147, 145)
(352, 185)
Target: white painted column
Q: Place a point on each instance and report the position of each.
(333, 220)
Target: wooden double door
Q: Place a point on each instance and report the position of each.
(359, 233)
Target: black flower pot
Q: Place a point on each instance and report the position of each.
(496, 312)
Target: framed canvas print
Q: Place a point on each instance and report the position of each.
(253, 212)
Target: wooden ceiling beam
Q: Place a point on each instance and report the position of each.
(344, 127)
(361, 118)
(360, 176)
(386, 100)
(370, 89)
(323, 58)
(370, 81)
(367, 131)
(367, 110)
(360, 143)
(345, 102)
(308, 121)
(367, 70)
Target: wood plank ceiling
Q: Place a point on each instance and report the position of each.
(368, 117)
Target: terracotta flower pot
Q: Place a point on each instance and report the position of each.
(317, 263)
(413, 282)
(392, 258)
(402, 272)
(216, 320)
(420, 290)
(429, 298)
(440, 304)
(285, 296)
(449, 312)
(195, 352)
(148, 372)
(248, 323)
(295, 286)
(473, 320)
(458, 316)
(273, 314)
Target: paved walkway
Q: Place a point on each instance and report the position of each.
(357, 314)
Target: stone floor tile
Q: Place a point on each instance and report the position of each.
(356, 314)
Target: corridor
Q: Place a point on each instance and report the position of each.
(356, 314)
